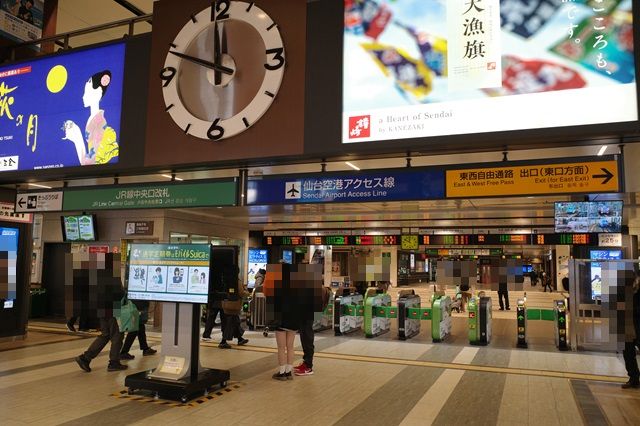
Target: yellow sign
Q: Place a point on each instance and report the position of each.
(561, 178)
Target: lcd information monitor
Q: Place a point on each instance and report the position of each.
(434, 68)
(588, 217)
(169, 272)
(79, 228)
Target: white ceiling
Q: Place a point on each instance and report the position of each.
(76, 15)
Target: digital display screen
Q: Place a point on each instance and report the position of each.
(588, 216)
(62, 110)
(287, 256)
(169, 272)
(9, 259)
(596, 269)
(336, 240)
(258, 259)
(429, 68)
(79, 228)
(375, 240)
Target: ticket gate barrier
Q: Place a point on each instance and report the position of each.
(324, 320)
(348, 311)
(377, 312)
(560, 324)
(480, 320)
(440, 317)
(521, 322)
(409, 314)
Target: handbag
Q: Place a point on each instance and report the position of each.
(128, 316)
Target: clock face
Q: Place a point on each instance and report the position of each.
(223, 70)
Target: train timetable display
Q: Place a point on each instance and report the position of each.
(169, 272)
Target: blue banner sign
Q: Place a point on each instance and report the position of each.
(62, 110)
(382, 185)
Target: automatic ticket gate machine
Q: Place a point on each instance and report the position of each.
(348, 311)
(560, 324)
(410, 314)
(377, 312)
(521, 319)
(440, 316)
(324, 321)
(479, 308)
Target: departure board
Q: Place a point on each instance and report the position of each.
(336, 240)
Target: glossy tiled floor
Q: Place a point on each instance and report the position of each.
(379, 381)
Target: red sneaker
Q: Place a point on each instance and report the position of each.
(302, 370)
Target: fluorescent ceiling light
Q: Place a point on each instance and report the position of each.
(353, 166)
(39, 186)
(171, 177)
(602, 150)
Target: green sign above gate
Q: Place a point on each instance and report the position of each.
(153, 196)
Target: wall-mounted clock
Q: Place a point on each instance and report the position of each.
(223, 70)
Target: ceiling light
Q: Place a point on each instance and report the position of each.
(173, 177)
(353, 166)
(39, 186)
(602, 150)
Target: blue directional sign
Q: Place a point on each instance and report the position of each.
(381, 185)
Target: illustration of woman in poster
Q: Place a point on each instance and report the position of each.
(101, 140)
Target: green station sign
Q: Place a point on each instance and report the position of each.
(153, 196)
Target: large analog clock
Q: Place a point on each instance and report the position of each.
(223, 70)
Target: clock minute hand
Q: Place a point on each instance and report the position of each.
(211, 65)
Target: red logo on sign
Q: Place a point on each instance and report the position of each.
(359, 126)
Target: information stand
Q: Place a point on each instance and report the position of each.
(179, 375)
(181, 276)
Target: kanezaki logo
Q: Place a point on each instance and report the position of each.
(360, 126)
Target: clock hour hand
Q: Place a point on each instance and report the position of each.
(207, 64)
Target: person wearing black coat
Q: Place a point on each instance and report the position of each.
(629, 353)
(109, 294)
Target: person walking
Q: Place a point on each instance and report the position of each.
(109, 330)
(305, 368)
(214, 306)
(546, 283)
(633, 339)
(141, 334)
(503, 292)
(232, 306)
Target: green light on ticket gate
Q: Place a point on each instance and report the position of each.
(521, 318)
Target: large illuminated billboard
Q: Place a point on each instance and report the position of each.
(62, 110)
(429, 68)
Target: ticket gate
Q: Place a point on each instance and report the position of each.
(409, 314)
(377, 312)
(440, 317)
(324, 321)
(521, 319)
(348, 311)
(560, 324)
(479, 320)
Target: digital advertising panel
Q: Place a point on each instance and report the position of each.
(258, 259)
(432, 68)
(169, 272)
(62, 110)
(596, 269)
(8, 273)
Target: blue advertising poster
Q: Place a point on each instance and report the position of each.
(257, 260)
(9, 254)
(390, 185)
(62, 110)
